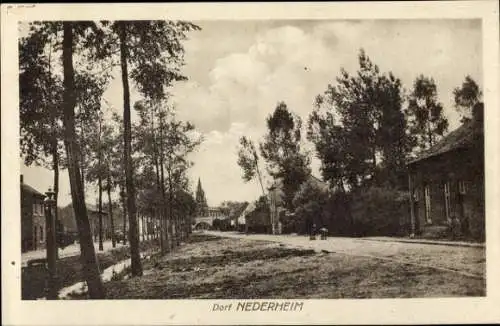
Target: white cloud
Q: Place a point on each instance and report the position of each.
(294, 65)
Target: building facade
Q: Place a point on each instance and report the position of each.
(446, 184)
(67, 218)
(33, 231)
(215, 212)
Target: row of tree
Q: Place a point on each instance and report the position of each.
(364, 128)
(65, 68)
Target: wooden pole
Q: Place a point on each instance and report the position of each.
(412, 212)
(50, 225)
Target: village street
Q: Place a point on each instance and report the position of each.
(195, 150)
(463, 260)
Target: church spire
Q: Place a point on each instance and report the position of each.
(201, 201)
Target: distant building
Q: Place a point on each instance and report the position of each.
(446, 182)
(215, 212)
(241, 220)
(67, 218)
(257, 217)
(33, 232)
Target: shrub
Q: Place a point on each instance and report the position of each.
(379, 211)
(338, 214)
(310, 208)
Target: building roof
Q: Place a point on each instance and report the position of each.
(461, 137)
(29, 189)
(91, 208)
(248, 209)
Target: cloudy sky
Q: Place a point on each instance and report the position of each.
(239, 70)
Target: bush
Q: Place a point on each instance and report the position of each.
(310, 203)
(338, 214)
(379, 211)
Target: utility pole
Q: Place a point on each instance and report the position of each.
(50, 225)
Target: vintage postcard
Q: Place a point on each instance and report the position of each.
(240, 163)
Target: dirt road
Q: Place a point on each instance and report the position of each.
(232, 265)
(468, 261)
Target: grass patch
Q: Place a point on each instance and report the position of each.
(69, 270)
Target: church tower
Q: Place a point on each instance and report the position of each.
(201, 201)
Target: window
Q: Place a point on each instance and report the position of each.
(35, 236)
(462, 187)
(427, 196)
(37, 208)
(41, 234)
(447, 200)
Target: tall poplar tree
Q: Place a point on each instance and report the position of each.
(427, 122)
(39, 87)
(466, 97)
(281, 149)
(150, 54)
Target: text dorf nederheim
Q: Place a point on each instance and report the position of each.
(260, 306)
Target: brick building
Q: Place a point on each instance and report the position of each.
(446, 183)
(33, 231)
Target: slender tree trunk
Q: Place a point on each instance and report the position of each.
(164, 223)
(99, 182)
(55, 162)
(164, 228)
(260, 181)
(136, 265)
(374, 167)
(124, 206)
(156, 233)
(110, 211)
(155, 148)
(429, 130)
(82, 157)
(89, 260)
(144, 227)
(55, 167)
(173, 223)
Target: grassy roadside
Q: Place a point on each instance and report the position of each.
(69, 271)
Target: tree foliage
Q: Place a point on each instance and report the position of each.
(281, 149)
(248, 160)
(310, 201)
(359, 129)
(467, 97)
(427, 121)
(233, 209)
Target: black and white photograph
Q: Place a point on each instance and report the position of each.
(252, 164)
